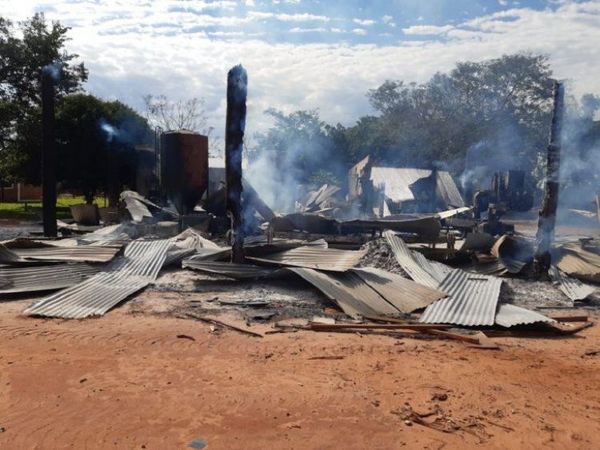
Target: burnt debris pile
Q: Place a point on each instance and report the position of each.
(396, 250)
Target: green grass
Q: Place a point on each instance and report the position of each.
(33, 210)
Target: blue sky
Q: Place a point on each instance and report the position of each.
(307, 54)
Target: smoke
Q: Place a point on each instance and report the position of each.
(111, 132)
(580, 160)
(53, 70)
(502, 149)
(294, 156)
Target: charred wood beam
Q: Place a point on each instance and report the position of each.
(48, 154)
(547, 217)
(237, 88)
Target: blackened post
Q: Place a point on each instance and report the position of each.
(237, 89)
(48, 154)
(547, 218)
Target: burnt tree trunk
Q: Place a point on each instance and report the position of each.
(48, 155)
(547, 218)
(237, 84)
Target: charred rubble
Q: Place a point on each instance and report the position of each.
(396, 250)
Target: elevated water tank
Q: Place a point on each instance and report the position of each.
(184, 168)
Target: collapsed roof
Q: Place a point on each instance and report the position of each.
(402, 186)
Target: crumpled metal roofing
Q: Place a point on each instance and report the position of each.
(453, 212)
(513, 253)
(136, 205)
(80, 253)
(406, 295)
(43, 278)
(409, 264)
(396, 182)
(579, 263)
(571, 287)
(447, 190)
(436, 269)
(7, 256)
(231, 270)
(328, 259)
(472, 300)
(510, 315)
(138, 267)
(348, 290)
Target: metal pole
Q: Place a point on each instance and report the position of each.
(547, 218)
(48, 155)
(237, 87)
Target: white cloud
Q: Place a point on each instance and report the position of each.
(303, 17)
(132, 50)
(427, 29)
(359, 31)
(364, 22)
(308, 30)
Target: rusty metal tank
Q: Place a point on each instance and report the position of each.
(184, 168)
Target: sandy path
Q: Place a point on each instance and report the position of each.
(126, 381)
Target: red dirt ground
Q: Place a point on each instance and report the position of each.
(126, 381)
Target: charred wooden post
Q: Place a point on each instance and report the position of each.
(237, 86)
(48, 154)
(547, 217)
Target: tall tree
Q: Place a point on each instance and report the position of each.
(96, 144)
(24, 51)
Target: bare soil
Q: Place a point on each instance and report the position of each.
(139, 378)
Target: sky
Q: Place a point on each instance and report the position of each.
(309, 54)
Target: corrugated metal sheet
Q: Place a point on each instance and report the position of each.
(396, 182)
(7, 256)
(408, 262)
(513, 253)
(495, 268)
(437, 270)
(472, 300)
(211, 254)
(43, 278)
(447, 190)
(329, 259)
(231, 270)
(136, 205)
(453, 212)
(427, 227)
(579, 263)
(571, 287)
(138, 267)
(406, 295)
(80, 253)
(510, 315)
(348, 290)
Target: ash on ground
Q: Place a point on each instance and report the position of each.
(256, 301)
(380, 255)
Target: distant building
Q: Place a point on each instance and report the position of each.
(20, 192)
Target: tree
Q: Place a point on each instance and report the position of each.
(96, 144)
(498, 108)
(189, 114)
(22, 58)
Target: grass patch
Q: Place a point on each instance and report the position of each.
(33, 210)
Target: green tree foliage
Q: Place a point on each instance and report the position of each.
(24, 51)
(501, 105)
(299, 145)
(495, 112)
(96, 143)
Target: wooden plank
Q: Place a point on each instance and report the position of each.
(374, 326)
